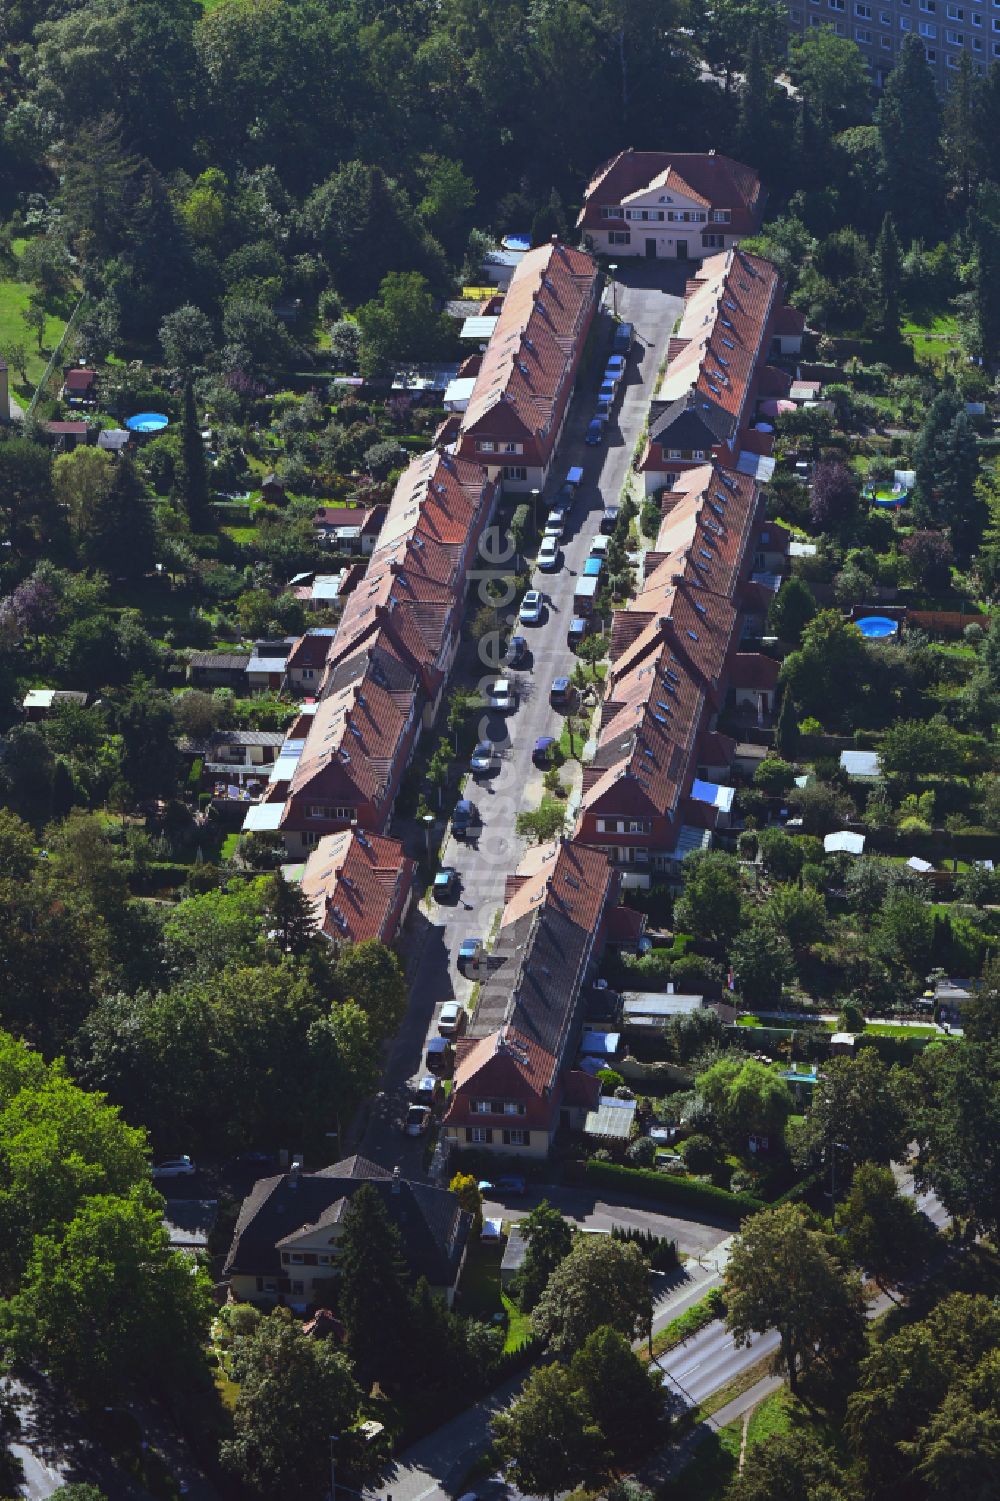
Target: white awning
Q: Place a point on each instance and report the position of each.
(263, 818)
(459, 393)
(922, 867)
(479, 329)
(844, 842)
(714, 794)
(758, 465)
(860, 763)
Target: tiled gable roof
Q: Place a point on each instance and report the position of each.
(524, 371)
(356, 882)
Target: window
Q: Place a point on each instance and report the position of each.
(516, 1138)
(718, 242)
(928, 6)
(481, 1135)
(637, 826)
(954, 12)
(674, 453)
(977, 45)
(308, 672)
(611, 211)
(295, 1257)
(861, 34)
(886, 42)
(996, 49)
(699, 453)
(323, 1259)
(619, 237)
(885, 18)
(325, 810)
(976, 19)
(928, 29)
(722, 216)
(486, 445)
(954, 39)
(515, 472)
(863, 12)
(309, 839)
(840, 28)
(905, 24)
(511, 448)
(930, 54)
(514, 1107)
(836, 4)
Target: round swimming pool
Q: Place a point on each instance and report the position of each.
(888, 499)
(148, 422)
(877, 627)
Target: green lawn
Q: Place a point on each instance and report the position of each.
(13, 330)
(748, 1021)
(518, 1326)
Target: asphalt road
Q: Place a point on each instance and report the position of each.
(650, 299)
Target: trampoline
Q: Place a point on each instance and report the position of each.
(887, 498)
(877, 627)
(148, 422)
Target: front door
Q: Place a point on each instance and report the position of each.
(651, 249)
(682, 250)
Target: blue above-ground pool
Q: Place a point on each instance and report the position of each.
(877, 627)
(148, 422)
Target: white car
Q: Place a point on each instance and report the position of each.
(174, 1167)
(548, 554)
(502, 696)
(530, 612)
(599, 546)
(418, 1119)
(452, 1019)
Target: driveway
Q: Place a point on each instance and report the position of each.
(590, 1211)
(650, 297)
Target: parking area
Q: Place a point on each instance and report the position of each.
(650, 298)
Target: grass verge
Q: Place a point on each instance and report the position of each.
(678, 1330)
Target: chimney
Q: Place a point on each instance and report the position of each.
(295, 1171)
(555, 239)
(396, 1180)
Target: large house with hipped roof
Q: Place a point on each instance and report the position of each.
(359, 885)
(523, 387)
(515, 1084)
(716, 370)
(674, 205)
(285, 1244)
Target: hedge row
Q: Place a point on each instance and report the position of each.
(667, 1187)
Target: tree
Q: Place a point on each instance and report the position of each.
(549, 1240)
(345, 345)
(762, 964)
(362, 222)
(780, 855)
(206, 933)
(830, 669)
(782, 1275)
(546, 1434)
(912, 748)
(856, 1106)
(400, 324)
(908, 117)
(191, 475)
(289, 915)
(786, 731)
(546, 823)
(601, 1281)
(118, 534)
(956, 1101)
(145, 723)
(791, 610)
(467, 1192)
(626, 1398)
(962, 150)
(35, 318)
(754, 132)
(834, 501)
(372, 1293)
(904, 932)
(888, 280)
(293, 1391)
(711, 905)
(940, 415)
(28, 514)
(370, 974)
(959, 503)
(744, 1099)
(885, 1232)
(774, 776)
(793, 1466)
(186, 338)
(930, 556)
(106, 1303)
(984, 225)
(833, 82)
(798, 914)
(15, 354)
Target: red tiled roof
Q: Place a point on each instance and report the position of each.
(358, 884)
(66, 429)
(310, 650)
(79, 380)
(789, 320)
(707, 178)
(507, 1066)
(570, 878)
(625, 925)
(523, 384)
(753, 670)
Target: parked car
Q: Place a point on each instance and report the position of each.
(418, 1118)
(451, 1022)
(555, 526)
(559, 694)
(593, 568)
(428, 1090)
(594, 435)
(440, 1056)
(612, 375)
(530, 612)
(485, 758)
(615, 366)
(599, 546)
(446, 884)
(604, 404)
(174, 1167)
(573, 480)
(549, 556)
(622, 341)
(503, 696)
(609, 520)
(577, 631)
(465, 816)
(512, 1184)
(562, 500)
(517, 651)
(541, 755)
(469, 951)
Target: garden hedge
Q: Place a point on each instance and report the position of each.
(669, 1188)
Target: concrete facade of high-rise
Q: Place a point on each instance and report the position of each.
(879, 27)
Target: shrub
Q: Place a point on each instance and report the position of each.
(665, 1187)
(642, 1152)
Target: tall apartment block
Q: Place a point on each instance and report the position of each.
(945, 27)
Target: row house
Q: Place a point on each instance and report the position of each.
(679, 205)
(715, 372)
(655, 788)
(375, 681)
(359, 885)
(522, 390)
(515, 1084)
